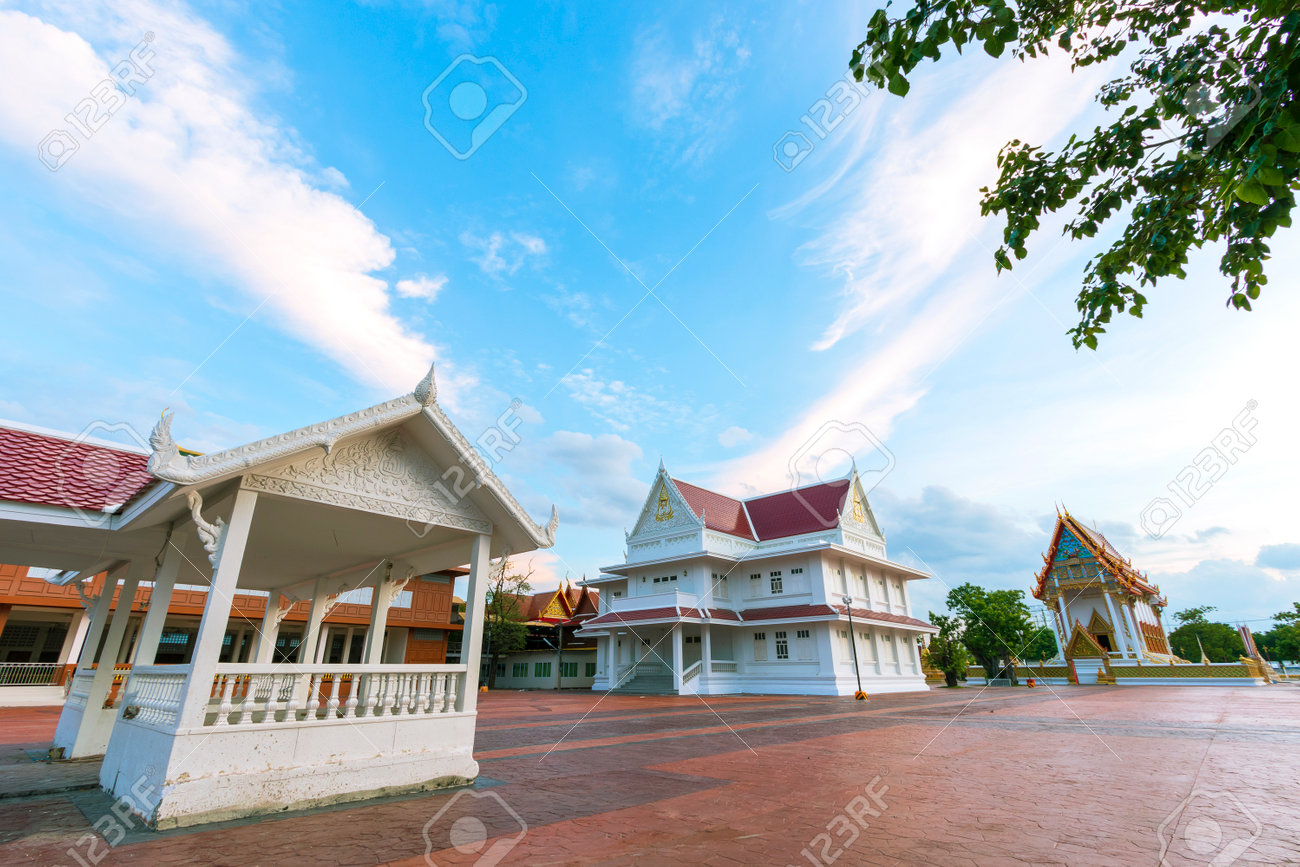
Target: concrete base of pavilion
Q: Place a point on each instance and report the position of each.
(217, 774)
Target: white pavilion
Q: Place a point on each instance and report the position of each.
(370, 499)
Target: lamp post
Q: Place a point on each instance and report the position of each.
(853, 643)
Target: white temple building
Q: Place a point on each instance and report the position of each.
(371, 499)
(787, 593)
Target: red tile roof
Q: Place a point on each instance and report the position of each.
(719, 512)
(774, 516)
(786, 612)
(792, 513)
(51, 471)
(886, 617)
(632, 616)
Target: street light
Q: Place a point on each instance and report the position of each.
(853, 643)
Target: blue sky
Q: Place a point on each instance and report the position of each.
(265, 234)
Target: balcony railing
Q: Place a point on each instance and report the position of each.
(30, 673)
(663, 599)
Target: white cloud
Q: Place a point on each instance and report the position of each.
(503, 254)
(906, 210)
(734, 436)
(617, 403)
(685, 91)
(422, 287)
(206, 174)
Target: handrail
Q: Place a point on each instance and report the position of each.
(692, 671)
(228, 668)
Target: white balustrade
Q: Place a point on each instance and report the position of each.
(153, 695)
(722, 667)
(266, 695)
(692, 671)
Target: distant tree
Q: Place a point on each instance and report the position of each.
(503, 629)
(997, 628)
(1203, 148)
(946, 651)
(1220, 641)
(1282, 642)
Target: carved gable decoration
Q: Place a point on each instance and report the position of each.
(555, 609)
(1069, 547)
(1082, 645)
(665, 510)
(1099, 625)
(857, 515)
(384, 474)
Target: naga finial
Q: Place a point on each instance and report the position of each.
(164, 447)
(552, 526)
(427, 391)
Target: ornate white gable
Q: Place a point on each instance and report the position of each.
(665, 511)
(857, 518)
(385, 473)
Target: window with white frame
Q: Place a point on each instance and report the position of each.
(664, 579)
(760, 646)
(782, 646)
(519, 669)
(719, 585)
(775, 579)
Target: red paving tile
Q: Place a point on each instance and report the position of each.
(1088, 775)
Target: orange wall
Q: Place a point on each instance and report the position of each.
(430, 601)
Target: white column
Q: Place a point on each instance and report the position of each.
(871, 594)
(1139, 643)
(99, 615)
(706, 651)
(877, 647)
(216, 611)
(307, 652)
(97, 722)
(380, 601)
(164, 582)
(269, 630)
(113, 642)
(76, 637)
(471, 653)
(1116, 625)
(677, 657)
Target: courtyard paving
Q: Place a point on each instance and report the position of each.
(1078, 775)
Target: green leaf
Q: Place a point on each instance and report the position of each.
(1253, 192)
(898, 85)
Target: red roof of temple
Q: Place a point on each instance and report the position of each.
(792, 513)
(51, 471)
(773, 516)
(719, 512)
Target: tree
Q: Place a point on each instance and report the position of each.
(1282, 642)
(997, 628)
(1220, 641)
(1204, 146)
(946, 651)
(503, 629)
